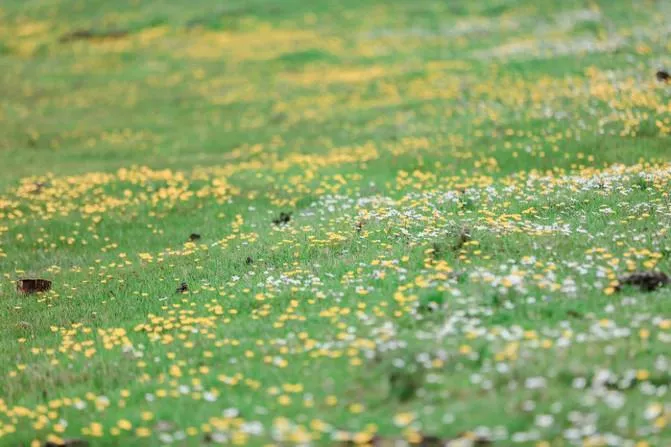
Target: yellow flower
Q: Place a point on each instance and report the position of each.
(96, 429)
(55, 440)
(403, 419)
(175, 371)
(143, 432)
(362, 438)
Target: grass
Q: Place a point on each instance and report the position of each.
(466, 183)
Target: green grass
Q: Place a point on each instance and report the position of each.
(467, 183)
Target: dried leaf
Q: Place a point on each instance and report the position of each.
(646, 281)
(67, 443)
(37, 187)
(33, 285)
(468, 439)
(464, 440)
(283, 218)
(87, 34)
(574, 314)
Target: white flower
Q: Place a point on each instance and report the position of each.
(230, 412)
(533, 383)
(544, 420)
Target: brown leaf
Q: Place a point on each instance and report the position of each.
(574, 314)
(87, 34)
(33, 285)
(284, 218)
(469, 440)
(37, 187)
(464, 440)
(68, 443)
(646, 281)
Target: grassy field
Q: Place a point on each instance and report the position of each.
(464, 182)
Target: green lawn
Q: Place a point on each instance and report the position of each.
(466, 182)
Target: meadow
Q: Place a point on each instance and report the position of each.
(335, 223)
